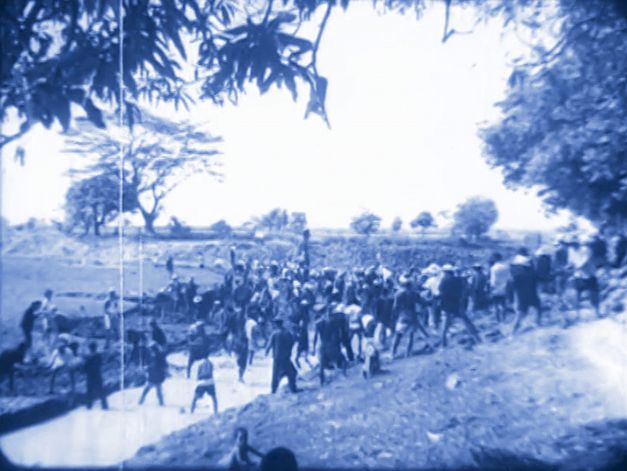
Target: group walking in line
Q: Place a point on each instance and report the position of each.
(340, 316)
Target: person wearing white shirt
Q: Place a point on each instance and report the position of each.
(500, 277)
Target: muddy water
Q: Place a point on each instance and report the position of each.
(99, 438)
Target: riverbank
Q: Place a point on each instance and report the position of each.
(538, 399)
(108, 437)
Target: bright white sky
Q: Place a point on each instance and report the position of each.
(404, 108)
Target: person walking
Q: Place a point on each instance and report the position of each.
(250, 327)
(525, 284)
(157, 370)
(499, 279)
(405, 311)
(451, 301)
(330, 334)
(281, 343)
(93, 372)
(240, 345)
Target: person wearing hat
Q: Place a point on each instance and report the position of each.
(281, 342)
(451, 303)
(525, 285)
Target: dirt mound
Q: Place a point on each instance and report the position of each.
(540, 404)
(42, 243)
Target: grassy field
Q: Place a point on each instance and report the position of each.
(25, 279)
(80, 270)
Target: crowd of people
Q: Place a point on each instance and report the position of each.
(353, 315)
(343, 317)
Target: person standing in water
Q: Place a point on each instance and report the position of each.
(206, 385)
(93, 371)
(157, 370)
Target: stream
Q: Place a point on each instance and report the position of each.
(95, 437)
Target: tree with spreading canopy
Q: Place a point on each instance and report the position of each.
(563, 128)
(92, 202)
(366, 223)
(475, 216)
(63, 55)
(275, 220)
(221, 228)
(60, 55)
(158, 154)
(424, 221)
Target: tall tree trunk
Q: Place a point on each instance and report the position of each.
(149, 220)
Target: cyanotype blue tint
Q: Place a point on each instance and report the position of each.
(257, 234)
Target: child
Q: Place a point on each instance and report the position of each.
(239, 459)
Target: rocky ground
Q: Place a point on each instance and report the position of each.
(531, 400)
